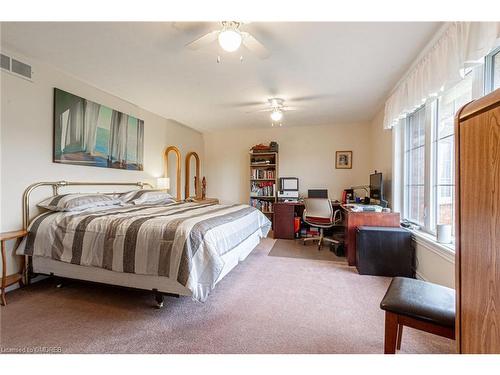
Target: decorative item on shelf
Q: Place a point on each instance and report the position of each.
(261, 148)
(203, 188)
(187, 187)
(163, 183)
(343, 160)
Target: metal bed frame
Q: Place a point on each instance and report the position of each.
(56, 185)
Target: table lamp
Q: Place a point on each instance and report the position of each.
(163, 183)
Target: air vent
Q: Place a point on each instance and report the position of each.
(5, 62)
(15, 66)
(21, 68)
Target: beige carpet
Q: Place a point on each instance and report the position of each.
(266, 304)
(297, 249)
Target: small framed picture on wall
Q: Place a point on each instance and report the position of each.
(343, 159)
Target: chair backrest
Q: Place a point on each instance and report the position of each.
(318, 207)
(317, 193)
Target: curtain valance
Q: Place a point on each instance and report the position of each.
(461, 45)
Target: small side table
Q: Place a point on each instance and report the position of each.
(17, 277)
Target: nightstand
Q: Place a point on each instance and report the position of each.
(17, 277)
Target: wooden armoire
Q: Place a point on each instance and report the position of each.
(477, 145)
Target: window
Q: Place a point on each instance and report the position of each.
(429, 156)
(415, 167)
(424, 161)
(443, 165)
(492, 71)
(496, 71)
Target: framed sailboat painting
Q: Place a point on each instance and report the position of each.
(91, 134)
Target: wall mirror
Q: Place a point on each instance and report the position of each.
(192, 180)
(172, 169)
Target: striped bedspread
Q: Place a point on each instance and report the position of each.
(184, 241)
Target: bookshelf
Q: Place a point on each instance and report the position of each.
(264, 181)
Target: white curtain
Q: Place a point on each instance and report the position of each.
(91, 115)
(140, 143)
(72, 122)
(462, 45)
(118, 137)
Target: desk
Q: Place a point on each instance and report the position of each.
(284, 213)
(365, 218)
(283, 219)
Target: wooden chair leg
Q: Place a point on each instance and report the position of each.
(391, 333)
(400, 334)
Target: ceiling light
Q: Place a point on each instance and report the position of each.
(229, 40)
(276, 115)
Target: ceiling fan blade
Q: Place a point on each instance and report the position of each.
(246, 104)
(309, 98)
(291, 109)
(260, 110)
(194, 28)
(254, 46)
(203, 40)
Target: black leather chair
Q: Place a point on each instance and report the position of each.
(417, 304)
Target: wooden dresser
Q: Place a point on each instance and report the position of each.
(477, 145)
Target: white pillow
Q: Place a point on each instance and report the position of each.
(147, 197)
(78, 202)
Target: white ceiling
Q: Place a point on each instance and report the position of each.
(342, 71)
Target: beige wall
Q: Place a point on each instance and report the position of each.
(26, 139)
(381, 153)
(306, 152)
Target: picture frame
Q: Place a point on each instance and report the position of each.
(87, 133)
(343, 160)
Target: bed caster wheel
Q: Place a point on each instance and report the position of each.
(159, 300)
(59, 282)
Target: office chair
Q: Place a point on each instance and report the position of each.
(319, 213)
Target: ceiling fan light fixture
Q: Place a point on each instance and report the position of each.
(229, 40)
(276, 115)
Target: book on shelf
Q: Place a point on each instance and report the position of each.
(262, 174)
(256, 161)
(266, 189)
(262, 205)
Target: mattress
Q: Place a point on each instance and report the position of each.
(188, 243)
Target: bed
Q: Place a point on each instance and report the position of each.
(180, 248)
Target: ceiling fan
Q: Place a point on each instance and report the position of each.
(276, 108)
(230, 38)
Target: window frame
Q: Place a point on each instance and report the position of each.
(489, 68)
(406, 159)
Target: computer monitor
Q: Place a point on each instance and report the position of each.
(376, 186)
(317, 193)
(289, 184)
